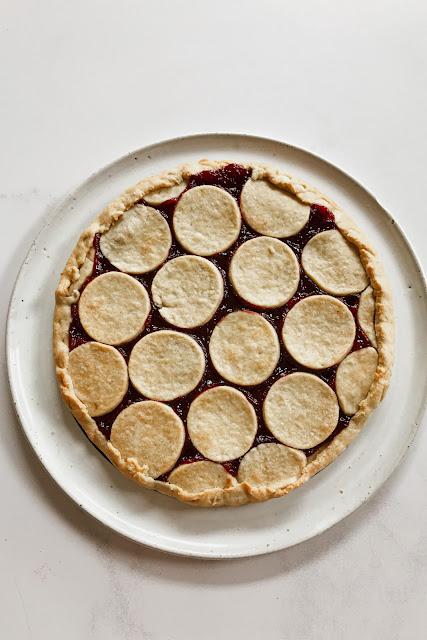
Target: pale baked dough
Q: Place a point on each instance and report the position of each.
(86, 271)
(99, 376)
(139, 242)
(271, 465)
(264, 272)
(165, 365)
(366, 314)
(151, 433)
(354, 378)
(187, 290)
(272, 211)
(194, 477)
(301, 410)
(334, 264)
(206, 220)
(244, 348)
(222, 423)
(79, 266)
(166, 193)
(319, 331)
(113, 308)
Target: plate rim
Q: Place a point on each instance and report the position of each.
(45, 221)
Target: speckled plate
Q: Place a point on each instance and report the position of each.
(153, 519)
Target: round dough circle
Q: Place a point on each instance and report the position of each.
(264, 272)
(334, 264)
(165, 365)
(187, 290)
(366, 314)
(301, 410)
(244, 348)
(271, 465)
(319, 331)
(139, 242)
(99, 375)
(272, 211)
(165, 193)
(222, 423)
(354, 378)
(203, 475)
(113, 308)
(206, 220)
(150, 432)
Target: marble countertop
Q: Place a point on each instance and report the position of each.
(87, 81)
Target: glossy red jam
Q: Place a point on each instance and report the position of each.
(232, 178)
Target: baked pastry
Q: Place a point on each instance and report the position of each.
(222, 332)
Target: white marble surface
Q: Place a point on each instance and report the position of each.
(84, 82)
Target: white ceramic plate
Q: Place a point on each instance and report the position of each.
(151, 518)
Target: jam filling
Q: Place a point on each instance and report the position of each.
(232, 178)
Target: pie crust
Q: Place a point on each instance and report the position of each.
(101, 309)
(206, 220)
(319, 331)
(113, 308)
(196, 477)
(232, 353)
(139, 242)
(99, 376)
(166, 365)
(334, 264)
(187, 291)
(271, 465)
(222, 423)
(366, 314)
(301, 410)
(355, 375)
(272, 211)
(157, 196)
(264, 272)
(149, 434)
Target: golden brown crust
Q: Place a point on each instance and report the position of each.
(79, 266)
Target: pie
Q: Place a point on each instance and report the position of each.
(222, 332)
